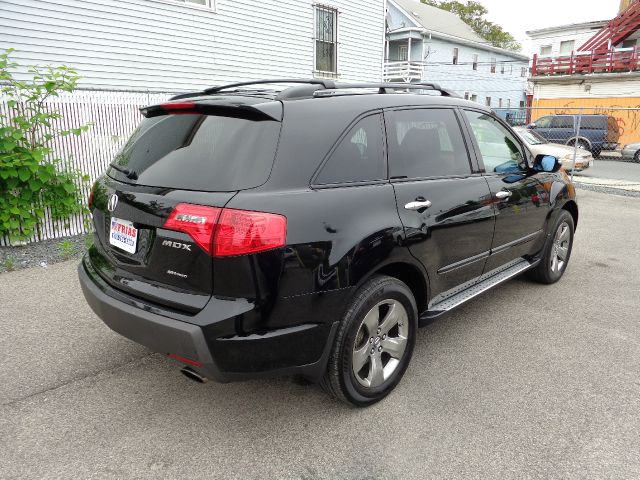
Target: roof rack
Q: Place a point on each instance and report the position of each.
(312, 81)
(319, 87)
(385, 86)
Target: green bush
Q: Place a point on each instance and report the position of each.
(32, 178)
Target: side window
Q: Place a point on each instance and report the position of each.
(359, 157)
(499, 148)
(562, 122)
(425, 143)
(544, 122)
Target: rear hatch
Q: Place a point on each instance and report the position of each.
(156, 208)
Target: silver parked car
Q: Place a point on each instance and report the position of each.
(632, 151)
(540, 146)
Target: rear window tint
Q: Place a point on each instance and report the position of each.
(199, 152)
(425, 143)
(359, 157)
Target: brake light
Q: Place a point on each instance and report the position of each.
(178, 106)
(196, 221)
(229, 232)
(240, 232)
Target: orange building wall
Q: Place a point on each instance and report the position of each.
(628, 120)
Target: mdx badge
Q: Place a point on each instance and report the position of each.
(113, 202)
(178, 245)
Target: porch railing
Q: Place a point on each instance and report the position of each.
(404, 71)
(627, 60)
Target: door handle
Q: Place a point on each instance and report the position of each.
(418, 205)
(503, 194)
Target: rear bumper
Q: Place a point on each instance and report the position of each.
(209, 339)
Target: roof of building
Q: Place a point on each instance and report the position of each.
(594, 24)
(438, 20)
(441, 22)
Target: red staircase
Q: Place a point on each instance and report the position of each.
(617, 30)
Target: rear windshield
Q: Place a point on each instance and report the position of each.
(198, 152)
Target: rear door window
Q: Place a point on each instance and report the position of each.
(359, 157)
(425, 143)
(592, 122)
(198, 152)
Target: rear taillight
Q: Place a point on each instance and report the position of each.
(229, 232)
(240, 232)
(196, 221)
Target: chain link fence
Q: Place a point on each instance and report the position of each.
(605, 132)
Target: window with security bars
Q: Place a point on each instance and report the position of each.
(326, 38)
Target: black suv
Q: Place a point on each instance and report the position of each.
(309, 230)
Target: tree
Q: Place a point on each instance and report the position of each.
(34, 182)
(472, 13)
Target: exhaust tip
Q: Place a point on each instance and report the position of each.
(191, 374)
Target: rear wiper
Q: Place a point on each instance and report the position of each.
(130, 174)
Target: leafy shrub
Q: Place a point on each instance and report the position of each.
(33, 181)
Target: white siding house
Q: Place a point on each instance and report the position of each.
(428, 44)
(179, 45)
(564, 39)
(131, 53)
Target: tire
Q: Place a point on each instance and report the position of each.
(377, 331)
(557, 250)
(636, 157)
(582, 144)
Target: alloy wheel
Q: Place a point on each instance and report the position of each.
(380, 343)
(560, 249)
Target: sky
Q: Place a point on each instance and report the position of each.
(518, 16)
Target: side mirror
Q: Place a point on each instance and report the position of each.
(546, 163)
(532, 125)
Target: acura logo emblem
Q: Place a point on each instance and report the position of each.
(113, 202)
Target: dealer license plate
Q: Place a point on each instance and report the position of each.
(123, 235)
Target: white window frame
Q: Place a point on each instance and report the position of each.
(467, 95)
(456, 56)
(209, 7)
(403, 53)
(474, 63)
(494, 65)
(550, 47)
(473, 97)
(324, 73)
(487, 101)
(573, 47)
(500, 103)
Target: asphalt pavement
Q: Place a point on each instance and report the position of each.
(612, 169)
(526, 381)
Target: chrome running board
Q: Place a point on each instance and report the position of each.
(463, 293)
